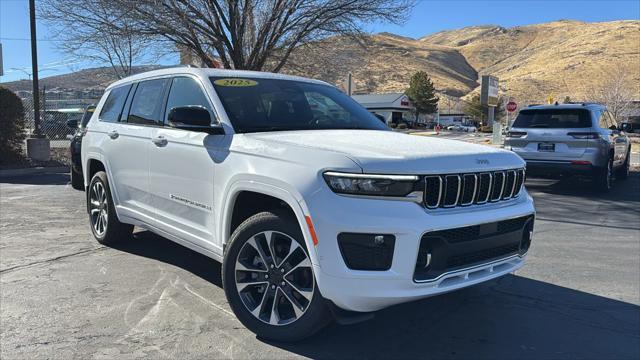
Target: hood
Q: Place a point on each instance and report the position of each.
(397, 153)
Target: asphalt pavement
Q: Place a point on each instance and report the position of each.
(65, 296)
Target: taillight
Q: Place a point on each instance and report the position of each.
(584, 135)
(516, 134)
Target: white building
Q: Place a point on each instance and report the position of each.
(394, 107)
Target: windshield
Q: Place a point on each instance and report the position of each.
(257, 105)
(553, 118)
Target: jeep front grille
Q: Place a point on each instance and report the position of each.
(451, 190)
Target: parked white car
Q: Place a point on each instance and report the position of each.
(315, 215)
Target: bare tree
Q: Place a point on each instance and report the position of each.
(251, 34)
(617, 91)
(92, 30)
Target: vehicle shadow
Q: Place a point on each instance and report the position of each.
(61, 178)
(622, 190)
(152, 246)
(512, 317)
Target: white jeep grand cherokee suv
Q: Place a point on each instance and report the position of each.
(314, 207)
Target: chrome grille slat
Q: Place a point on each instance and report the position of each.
(452, 190)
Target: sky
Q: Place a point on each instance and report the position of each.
(426, 18)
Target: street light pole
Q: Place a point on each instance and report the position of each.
(38, 146)
(34, 68)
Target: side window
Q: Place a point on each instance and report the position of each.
(186, 91)
(603, 121)
(113, 105)
(146, 106)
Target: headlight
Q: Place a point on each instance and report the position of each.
(371, 184)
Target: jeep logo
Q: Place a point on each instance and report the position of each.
(482, 161)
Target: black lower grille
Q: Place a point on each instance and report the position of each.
(451, 249)
(366, 251)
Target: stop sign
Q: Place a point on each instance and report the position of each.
(512, 106)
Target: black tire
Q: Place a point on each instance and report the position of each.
(603, 177)
(112, 231)
(77, 182)
(623, 172)
(316, 314)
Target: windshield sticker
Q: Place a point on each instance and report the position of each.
(235, 82)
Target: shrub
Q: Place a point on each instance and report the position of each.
(12, 132)
(393, 125)
(402, 126)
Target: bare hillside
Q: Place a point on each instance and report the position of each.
(383, 63)
(563, 58)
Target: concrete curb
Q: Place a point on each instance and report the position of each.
(33, 171)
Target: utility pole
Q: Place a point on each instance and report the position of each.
(38, 146)
(34, 68)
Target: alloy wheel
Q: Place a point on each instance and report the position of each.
(98, 208)
(274, 278)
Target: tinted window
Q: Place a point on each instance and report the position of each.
(553, 118)
(255, 105)
(186, 91)
(113, 105)
(146, 106)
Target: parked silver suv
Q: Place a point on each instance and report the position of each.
(571, 139)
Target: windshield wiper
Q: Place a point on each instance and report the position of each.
(539, 126)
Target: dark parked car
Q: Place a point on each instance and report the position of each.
(76, 142)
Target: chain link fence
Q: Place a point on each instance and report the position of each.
(54, 114)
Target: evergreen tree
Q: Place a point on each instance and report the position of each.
(422, 94)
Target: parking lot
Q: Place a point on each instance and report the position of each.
(63, 295)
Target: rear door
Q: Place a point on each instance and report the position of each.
(133, 137)
(551, 134)
(181, 170)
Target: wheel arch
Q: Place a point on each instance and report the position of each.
(242, 190)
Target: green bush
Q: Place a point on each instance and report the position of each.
(12, 132)
(402, 126)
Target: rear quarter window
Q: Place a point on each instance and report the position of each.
(112, 107)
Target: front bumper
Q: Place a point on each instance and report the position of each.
(358, 290)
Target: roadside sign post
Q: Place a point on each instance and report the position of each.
(511, 107)
(489, 98)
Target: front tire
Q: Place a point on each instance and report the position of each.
(623, 172)
(105, 226)
(268, 279)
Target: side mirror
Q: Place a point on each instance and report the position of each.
(72, 124)
(193, 118)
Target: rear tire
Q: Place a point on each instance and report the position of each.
(105, 226)
(282, 303)
(77, 182)
(623, 172)
(602, 178)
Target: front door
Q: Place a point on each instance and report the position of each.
(181, 171)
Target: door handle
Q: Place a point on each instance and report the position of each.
(160, 141)
(113, 134)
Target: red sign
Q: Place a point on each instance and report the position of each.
(512, 106)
